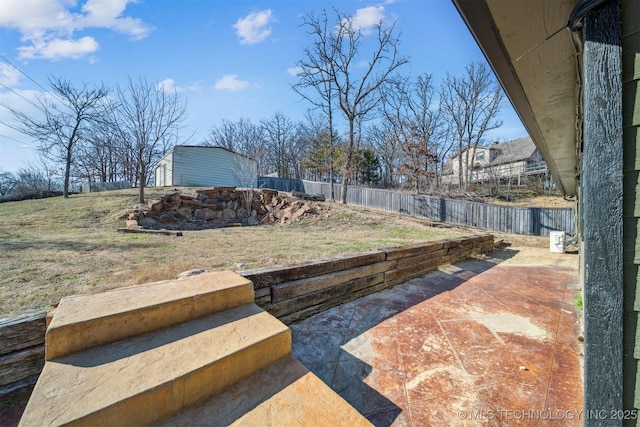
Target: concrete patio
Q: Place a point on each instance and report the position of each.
(494, 341)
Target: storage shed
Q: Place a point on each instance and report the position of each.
(205, 166)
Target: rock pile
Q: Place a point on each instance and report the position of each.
(218, 207)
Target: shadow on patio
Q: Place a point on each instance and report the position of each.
(491, 341)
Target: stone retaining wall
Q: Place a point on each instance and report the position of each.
(290, 293)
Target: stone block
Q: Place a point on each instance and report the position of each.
(156, 205)
(228, 213)
(205, 214)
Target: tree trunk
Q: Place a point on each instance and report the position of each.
(333, 197)
(347, 166)
(67, 173)
(142, 182)
(472, 168)
(461, 171)
(343, 198)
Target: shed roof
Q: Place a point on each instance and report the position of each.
(210, 147)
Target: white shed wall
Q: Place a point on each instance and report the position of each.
(207, 167)
(163, 171)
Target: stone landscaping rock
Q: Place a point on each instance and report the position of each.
(218, 207)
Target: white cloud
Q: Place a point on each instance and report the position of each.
(168, 86)
(9, 75)
(48, 26)
(32, 16)
(106, 14)
(294, 71)
(366, 18)
(231, 82)
(57, 49)
(254, 28)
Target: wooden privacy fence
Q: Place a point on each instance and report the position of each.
(95, 187)
(506, 219)
(281, 184)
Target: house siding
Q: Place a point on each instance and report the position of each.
(601, 210)
(631, 203)
(508, 169)
(506, 160)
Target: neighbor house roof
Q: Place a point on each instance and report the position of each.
(511, 151)
(514, 151)
(540, 77)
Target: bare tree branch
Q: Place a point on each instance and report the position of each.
(335, 57)
(471, 103)
(147, 121)
(65, 123)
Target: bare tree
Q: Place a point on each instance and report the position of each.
(417, 159)
(225, 135)
(147, 121)
(36, 180)
(355, 87)
(7, 182)
(281, 138)
(471, 104)
(246, 172)
(68, 112)
(429, 123)
(243, 137)
(417, 124)
(383, 140)
(318, 161)
(99, 155)
(251, 142)
(316, 73)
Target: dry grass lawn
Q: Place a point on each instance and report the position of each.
(54, 247)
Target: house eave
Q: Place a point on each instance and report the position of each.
(541, 85)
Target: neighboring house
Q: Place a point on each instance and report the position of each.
(478, 162)
(514, 159)
(203, 166)
(577, 92)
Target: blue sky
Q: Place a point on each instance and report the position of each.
(228, 59)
